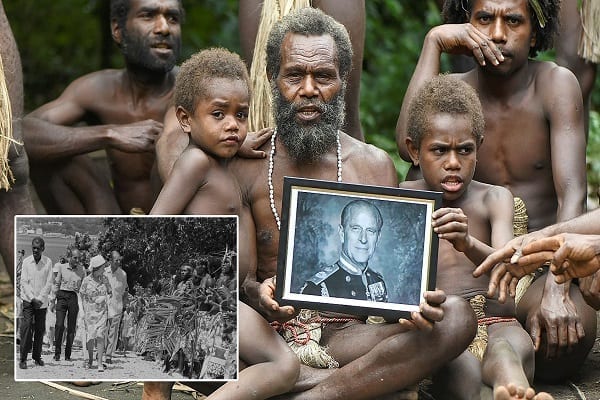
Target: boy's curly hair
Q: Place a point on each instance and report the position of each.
(444, 94)
(216, 62)
(458, 12)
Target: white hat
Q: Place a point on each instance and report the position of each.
(97, 262)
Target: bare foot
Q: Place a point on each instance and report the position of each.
(513, 392)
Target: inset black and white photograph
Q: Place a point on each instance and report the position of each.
(358, 249)
(126, 298)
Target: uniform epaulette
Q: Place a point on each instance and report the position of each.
(323, 274)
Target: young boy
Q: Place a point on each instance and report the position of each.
(212, 97)
(445, 130)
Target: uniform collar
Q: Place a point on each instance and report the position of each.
(350, 267)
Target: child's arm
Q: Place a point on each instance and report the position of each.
(187, 176)
(452, 224)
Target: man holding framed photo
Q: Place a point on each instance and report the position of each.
(309, 57)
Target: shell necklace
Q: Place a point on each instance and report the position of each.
(270, 175)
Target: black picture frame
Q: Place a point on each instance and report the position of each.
(405, 256)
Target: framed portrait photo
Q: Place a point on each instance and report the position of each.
(356, 249)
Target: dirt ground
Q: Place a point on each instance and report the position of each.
(585, 385)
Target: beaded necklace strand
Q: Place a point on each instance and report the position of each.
(270, 175)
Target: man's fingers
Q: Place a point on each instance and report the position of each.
(579, 329)
(513, 287)
(495, 278)
(421, 322)
(435, 297)
(535, 333)
(530, 262)
(495, 258)
(484, 49)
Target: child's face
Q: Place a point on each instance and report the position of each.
(448, 154)
(219, 124)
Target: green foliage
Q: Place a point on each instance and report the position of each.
(395, 32)
(76, 41)
(593, 156)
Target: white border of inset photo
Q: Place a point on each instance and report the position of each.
(183, 328)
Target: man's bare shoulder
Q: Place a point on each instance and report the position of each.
(374, 165)
(102, 83)
(358, 149)
(87, 92)
(548, 71)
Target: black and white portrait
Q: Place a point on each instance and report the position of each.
(140, 298)
(355, 247)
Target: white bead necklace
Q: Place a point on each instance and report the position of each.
(270, 175)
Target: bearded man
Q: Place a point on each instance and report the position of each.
(309, 56)
(119, 110)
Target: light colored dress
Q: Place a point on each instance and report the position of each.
(95, 296)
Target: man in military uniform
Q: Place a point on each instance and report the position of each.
(350, 277)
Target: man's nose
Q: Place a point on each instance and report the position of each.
(309, 88)
(498, 31)
(161, 25)
(363, 236)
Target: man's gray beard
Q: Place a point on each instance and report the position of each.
(308, 142)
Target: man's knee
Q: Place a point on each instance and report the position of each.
(460, 322)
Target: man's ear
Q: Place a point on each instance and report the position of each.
(533, 40)
(413, 151)
(183, 116)
(116, 32)
(341, 233)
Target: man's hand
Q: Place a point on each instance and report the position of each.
(136, 137)
(466, 39)
(505, 268)
(430, 312)
(572, 255)
(452, 224)
(253, 142)
(557, 316)
(36, 303)
(269, 308)
(590, 288)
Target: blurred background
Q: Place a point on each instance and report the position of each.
(60, 40)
